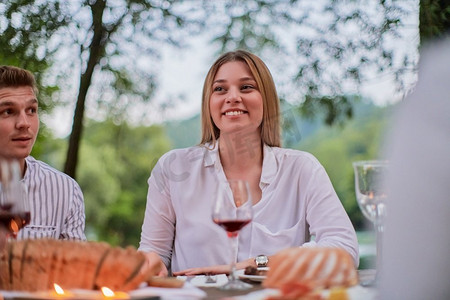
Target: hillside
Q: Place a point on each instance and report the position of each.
(296, 129)
(336, 147)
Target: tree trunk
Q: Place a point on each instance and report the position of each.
(95, 51)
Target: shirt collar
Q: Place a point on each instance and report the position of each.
(210, 155)
(270, 166)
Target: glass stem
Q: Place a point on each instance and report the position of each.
(379, 246)
(233, 241)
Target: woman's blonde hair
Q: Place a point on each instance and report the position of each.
(270, 125)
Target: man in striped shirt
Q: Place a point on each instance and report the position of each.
(56, 200)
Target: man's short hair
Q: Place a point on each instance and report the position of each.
(11, 76)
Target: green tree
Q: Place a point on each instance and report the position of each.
(24, 39)
(105, 43)
(337, 46)
(331, 45)
(25, 43)
(338, 146)
(434, 20)
(121, 29)
(114, 172)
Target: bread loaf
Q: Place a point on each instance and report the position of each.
(35, 265)
(323, 267)
(15, 261)
(116, 274)
(4, 268)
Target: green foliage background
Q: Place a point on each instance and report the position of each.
(337, 147)
(118, 159)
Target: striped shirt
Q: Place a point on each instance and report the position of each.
(56, 203)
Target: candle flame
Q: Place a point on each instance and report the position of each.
(58, 289)
(107, 292)
(14, 227)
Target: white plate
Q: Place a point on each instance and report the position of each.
(356, 292)
(188, 291)
(256, 278)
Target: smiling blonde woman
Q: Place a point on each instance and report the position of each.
(293, 198)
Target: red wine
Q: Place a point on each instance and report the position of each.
(13, 221)
(231, 226)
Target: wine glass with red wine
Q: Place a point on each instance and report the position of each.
(232, 210)
(14, 206)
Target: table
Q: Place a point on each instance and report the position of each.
(213, 293)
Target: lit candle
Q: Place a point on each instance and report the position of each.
(109, 294)
(60, 293)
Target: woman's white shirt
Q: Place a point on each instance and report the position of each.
(298, 201)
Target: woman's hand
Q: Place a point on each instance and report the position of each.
(154, 265)
(213, 270)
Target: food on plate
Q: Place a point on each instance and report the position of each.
(338, 293)
(255, 271)
(166, 282)
(320, 266)
(297, 291)
(34, 265)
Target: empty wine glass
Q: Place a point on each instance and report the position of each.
(371, 197)
(14, 206)
(232, 210)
